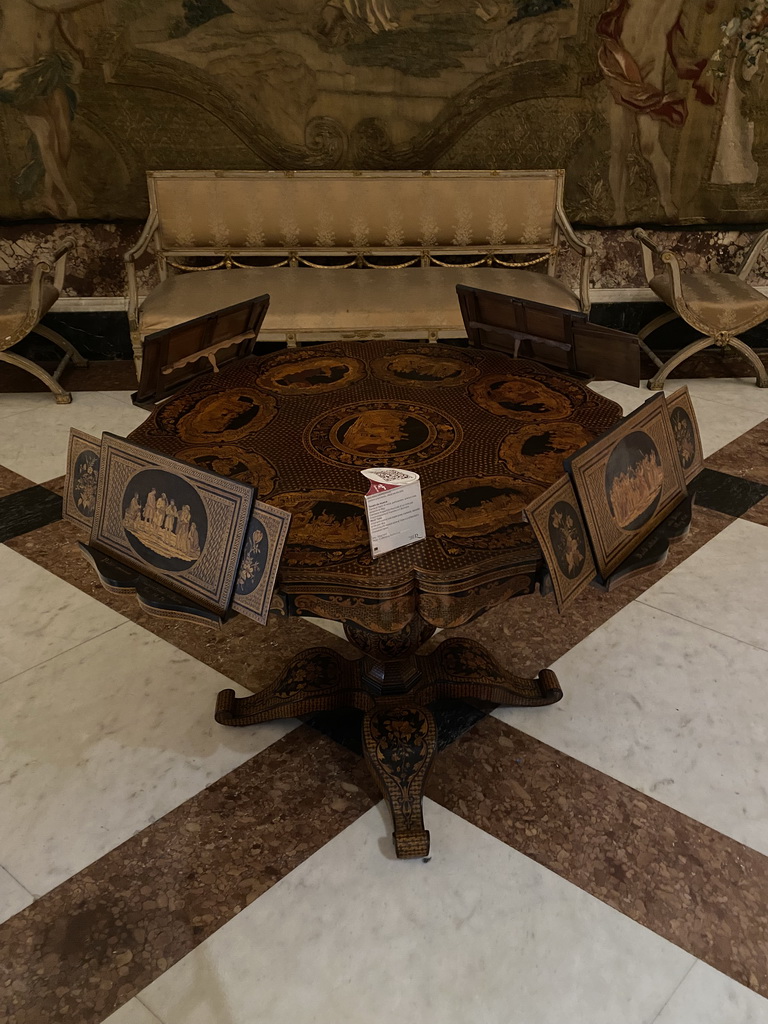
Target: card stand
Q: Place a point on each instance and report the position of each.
(649, 554)
(152, 597)
(652, 551)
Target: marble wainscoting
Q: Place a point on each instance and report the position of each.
(91, 310)
(95, 267)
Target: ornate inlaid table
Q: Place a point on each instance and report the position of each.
(485, 432)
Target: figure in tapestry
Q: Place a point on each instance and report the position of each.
(655, 108)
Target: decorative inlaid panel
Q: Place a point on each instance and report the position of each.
(306, 373)
(220, 417)
(532, 398)
(418, 367)
(402, 433)
(235, 463)
(541, 447)
(173, 522)
(477, 505)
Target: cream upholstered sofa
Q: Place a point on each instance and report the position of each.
(350, 254)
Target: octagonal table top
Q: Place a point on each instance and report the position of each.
(486, 434)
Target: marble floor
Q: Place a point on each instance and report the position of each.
(604, 860)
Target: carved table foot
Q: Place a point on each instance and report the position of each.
(399, 744)
(399, 733)
(464, 670)
(318, 679)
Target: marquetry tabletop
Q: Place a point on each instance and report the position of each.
(485, 433)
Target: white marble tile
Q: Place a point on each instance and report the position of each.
(629, 398)
(601, 386)
(725, 407)
(708, 997)
(13, 404)
(34, 435)
(98, 742)
(668, 707)
(722, 422)
(13, 897)
(42, 616)
(479, 934)
(731, 391)
(329, 625)
(723, 585)
(133, 1012)
(124, 397)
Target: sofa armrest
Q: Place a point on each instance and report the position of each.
(585, 253)
(130, 258)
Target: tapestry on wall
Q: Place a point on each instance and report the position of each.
(656, 108)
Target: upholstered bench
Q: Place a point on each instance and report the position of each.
(222, 237)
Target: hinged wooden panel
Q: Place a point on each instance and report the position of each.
(561, 338)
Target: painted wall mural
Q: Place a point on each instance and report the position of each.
(656, 108)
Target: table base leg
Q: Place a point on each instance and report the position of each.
(400, 744)
(399, 733)
(463, 669)
(318, 679)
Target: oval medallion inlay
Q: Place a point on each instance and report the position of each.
(383, 433)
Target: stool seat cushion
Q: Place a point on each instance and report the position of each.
(718, 302)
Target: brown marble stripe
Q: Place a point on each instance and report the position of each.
(688, 883)
(250, 654)
(11, 482)
(529, 633)
(758, 513)
(56, 485)
(747, 456)
(83, 950)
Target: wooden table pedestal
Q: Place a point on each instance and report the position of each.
(393, 685)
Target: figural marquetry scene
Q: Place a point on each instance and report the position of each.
(383, 511)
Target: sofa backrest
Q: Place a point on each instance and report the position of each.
(354, 212)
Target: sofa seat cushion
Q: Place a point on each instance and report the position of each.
(301, 299)
(15, 301)
(718, 302)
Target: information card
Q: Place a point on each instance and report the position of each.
(393, 509)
